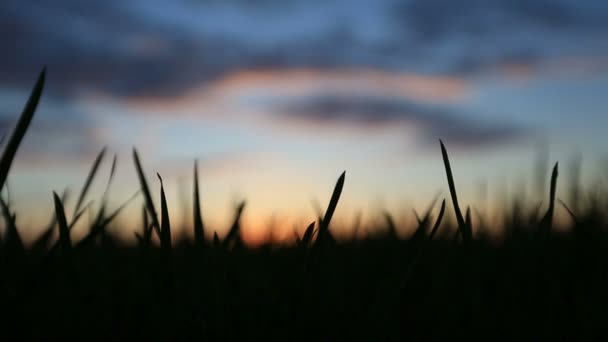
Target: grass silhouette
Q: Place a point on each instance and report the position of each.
(535, 285)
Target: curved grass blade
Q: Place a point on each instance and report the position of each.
(570, 212)
(547, 220)
(116, 212)
(424, 221)
(165, 225)
(89, 180)
(64, 232)
(438, 221)
(146, 191)
(110, 178)
(308, 233)
(42, 242)
(467, 235)
(199, 228)
(233, 233)
(148, 230)
(79, 215)
(19, 132)
(333, 203)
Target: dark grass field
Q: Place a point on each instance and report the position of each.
(444, 282)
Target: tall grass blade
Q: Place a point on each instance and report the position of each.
(110, 178)
(78, 215)
(64, 232)
(467, 235)
(146, 192)
(438, 221)
(331, 208)
(22, 125)
(42, 242)
(233, 233)
(547, 220)
(89, 181)
(199, 228)
(308, 233)
(165, 225)
(423, 222)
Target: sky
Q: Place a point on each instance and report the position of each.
(275, 98)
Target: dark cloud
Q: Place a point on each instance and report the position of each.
(433, 122)
(477, 34)
(102, 46)
(125, 49)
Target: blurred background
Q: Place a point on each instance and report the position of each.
(275, 98)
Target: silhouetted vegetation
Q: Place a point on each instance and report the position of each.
(444, 282)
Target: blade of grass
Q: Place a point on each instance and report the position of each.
(79, 215)
(42, 242)
(233, 233)
(89, 181)
(467, 235)
(165, 225)
(64, 232)
(199, 228)
(22, 125)
(547, 221)
(438, 221)
(110, 178)
(116, 212)
(146, 192)
(424, 222)
(147, 228)
(570, 212)
(308, 233)
(333, 203)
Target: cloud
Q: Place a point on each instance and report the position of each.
(162, 48)
(244, 90)
(480, 34)
(432, 122)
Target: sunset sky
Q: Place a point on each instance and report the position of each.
(275, 98)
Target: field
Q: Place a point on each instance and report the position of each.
(445, 281)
